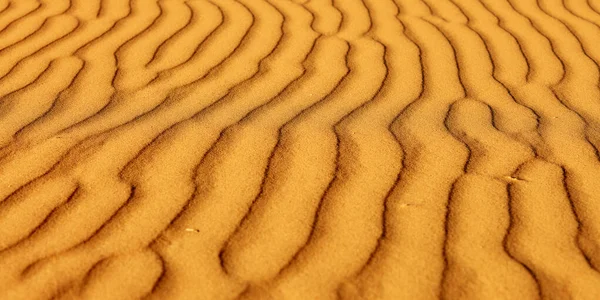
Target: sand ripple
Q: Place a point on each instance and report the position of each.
(288, 149)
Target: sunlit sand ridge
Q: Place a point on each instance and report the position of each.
(281, 149)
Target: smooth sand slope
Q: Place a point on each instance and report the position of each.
(287, 149)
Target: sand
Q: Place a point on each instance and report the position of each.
(287, 149)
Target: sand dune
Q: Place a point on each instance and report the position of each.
(287, 149)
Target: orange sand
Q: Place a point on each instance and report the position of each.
(280, 149)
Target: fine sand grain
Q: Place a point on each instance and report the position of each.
(289, 149)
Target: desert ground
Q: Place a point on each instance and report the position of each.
(286, 149)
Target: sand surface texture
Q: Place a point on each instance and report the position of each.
(280, 149)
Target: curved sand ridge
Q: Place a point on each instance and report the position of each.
(320, 149)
